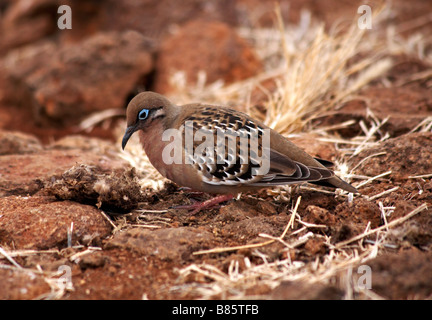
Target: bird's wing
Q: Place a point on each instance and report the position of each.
(325, 163)
(283, 170)
(226, 166)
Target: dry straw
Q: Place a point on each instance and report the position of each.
(320, 76)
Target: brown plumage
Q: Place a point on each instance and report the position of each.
(225, 170)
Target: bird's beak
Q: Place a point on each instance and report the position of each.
(129, 132)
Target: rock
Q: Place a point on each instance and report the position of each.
(40, 223)
(315, 246)
(402, 275)
(235, 211)
(172, 244)
(93, 260)
(26, 22)
(117, 191)
(353, 218)
(18, 143)
(22, 284)
(156, 18)
(96, 74)
(416, 232)
(359, 211)
(320, 216)
(218, 51)
(27, 173)
(297, 290)
(250, 228)
(84, 143)
(407, 155)
(16, 67)
(405, 108)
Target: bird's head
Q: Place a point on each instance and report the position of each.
(143, 111)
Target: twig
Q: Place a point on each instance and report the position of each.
(361, 184)
(150, 226)
(20, 253)
(383, 214)
(99, 116)
(143, 211)
(227, 249)
(424, 126)
(74, 257)
(291, 221)
(368, 157)
(381, 194)
(313, 225)
(421, 176)
(11, 260)
(108, 219)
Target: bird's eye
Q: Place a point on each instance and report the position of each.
(143, 114)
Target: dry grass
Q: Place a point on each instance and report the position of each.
(134, 154)
(320, 76)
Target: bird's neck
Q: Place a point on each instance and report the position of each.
(172, 113)
(153, 145)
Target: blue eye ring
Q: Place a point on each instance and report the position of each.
(143, 114)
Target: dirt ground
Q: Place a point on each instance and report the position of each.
(80, 219)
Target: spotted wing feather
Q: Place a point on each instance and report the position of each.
(226, 166)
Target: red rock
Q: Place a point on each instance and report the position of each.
(18, 143)
(25, 171)
(22, 284)
(96, 74)
(298, 290)
(26, 22)
(402, 275)
(318, 215)
(40, 223)
(154, 18)
(212, 47)
(169, 244)
(118, 191)
(407, 155)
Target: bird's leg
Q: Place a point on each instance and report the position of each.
(198, 206)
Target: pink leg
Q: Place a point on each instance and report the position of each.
(197, 207)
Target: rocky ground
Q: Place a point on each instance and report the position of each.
(70, 198)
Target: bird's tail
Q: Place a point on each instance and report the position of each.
(336, 182)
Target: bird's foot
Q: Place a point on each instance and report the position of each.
(198, 206)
